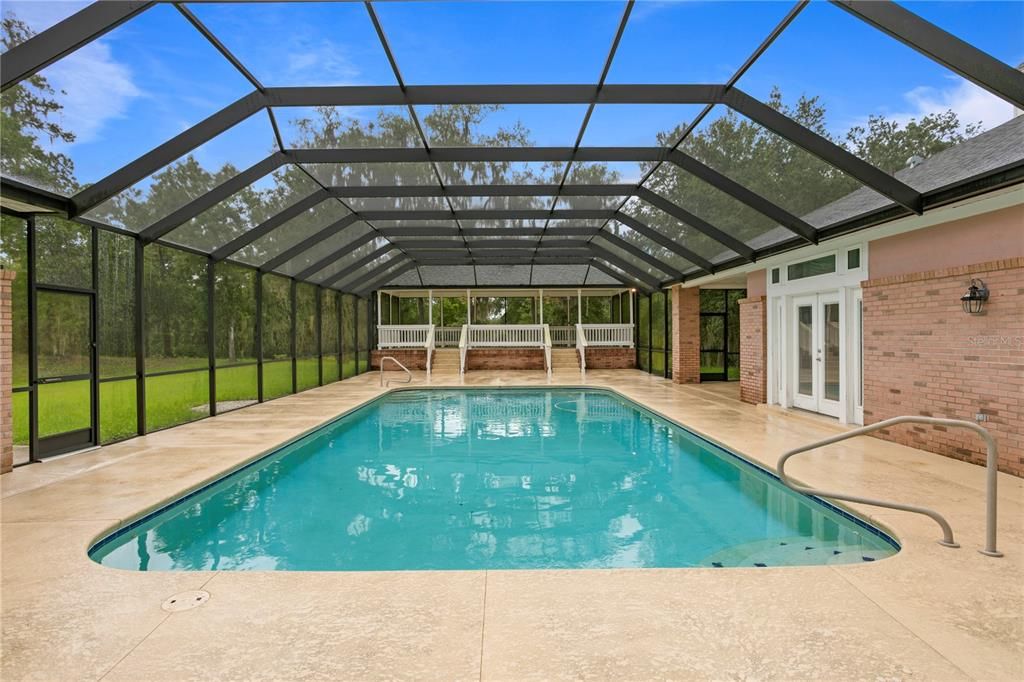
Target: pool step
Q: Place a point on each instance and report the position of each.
(791, 551)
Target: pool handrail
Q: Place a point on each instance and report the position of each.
(408, 374)
(992, 460)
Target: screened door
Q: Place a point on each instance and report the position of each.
(65, 374)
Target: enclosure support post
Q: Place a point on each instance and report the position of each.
(140, 338)
(94, 334)
(540, 297)
(430, 307)
(295, 367)
(579, 306)
(319, 336)
(469, 314)
(259, 336)
(211, 330)
(33, 335)
(378, 307)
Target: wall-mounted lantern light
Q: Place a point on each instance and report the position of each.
(974, 300)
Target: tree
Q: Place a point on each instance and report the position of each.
(884, 143)
(27, 114)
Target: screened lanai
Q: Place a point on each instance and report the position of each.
(226, 186)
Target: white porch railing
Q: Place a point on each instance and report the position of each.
(609, 334)
(563, 336)
(447, 337)
(506, 335)
(403, 335)
(408, 336)
(581, 346)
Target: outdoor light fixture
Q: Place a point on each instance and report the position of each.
(974, 300)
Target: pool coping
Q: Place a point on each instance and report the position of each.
(126, 526)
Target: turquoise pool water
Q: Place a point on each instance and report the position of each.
(494, 479)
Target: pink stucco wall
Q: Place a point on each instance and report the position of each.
(990, 236)
(756, 283)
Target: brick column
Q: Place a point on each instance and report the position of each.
(686, 335)
(6, 369)
(753, 350)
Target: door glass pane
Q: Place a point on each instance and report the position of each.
(805, 350)
(63, 338)
(831, 354)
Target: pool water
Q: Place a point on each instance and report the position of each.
(494, 479)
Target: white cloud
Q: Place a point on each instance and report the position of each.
(320, 63)
(98, 89)
(970, 103)
(41, 15)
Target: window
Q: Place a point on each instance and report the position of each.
(776, 275)
(823, 265)
(853, 259)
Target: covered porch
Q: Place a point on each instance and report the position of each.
(505, 325)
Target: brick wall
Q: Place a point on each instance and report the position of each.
(611, 358)
(6, 370)
(686, 335)
(753, 350)
(505, 358)
(412, 358)
(924, 355)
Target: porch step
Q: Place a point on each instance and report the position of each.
(563, 358)
(445, 360)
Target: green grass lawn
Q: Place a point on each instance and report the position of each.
(170, 399)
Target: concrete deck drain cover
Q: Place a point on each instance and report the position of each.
(183, 601)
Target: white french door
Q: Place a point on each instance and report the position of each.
(817, 361)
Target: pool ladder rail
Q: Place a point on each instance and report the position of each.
(947, 540)
(387, 382)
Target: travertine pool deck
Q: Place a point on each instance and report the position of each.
(927, 613)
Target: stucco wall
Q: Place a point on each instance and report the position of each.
(987, 237)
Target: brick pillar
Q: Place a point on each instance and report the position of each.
(753, 350)
(6, 369)
(686, 335)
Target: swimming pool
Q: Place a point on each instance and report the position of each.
(494, 479)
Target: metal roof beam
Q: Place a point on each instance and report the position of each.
(352, 267)
(699, 224)
(624, 265)
(173, 149)
(637, 252)
(269, 225)
(958, 56)
(664, 241)
(388, 273)
(393, 95)
(213, 197)
(314, 241)
(510, 154)
(35, 54)
(620, 277)
(744, 195)
(518, 190)
(827, 151)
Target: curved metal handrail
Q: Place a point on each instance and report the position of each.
(947, 540)
(408, 374)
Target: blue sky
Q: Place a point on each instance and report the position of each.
(155, 76)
